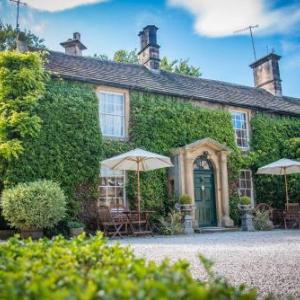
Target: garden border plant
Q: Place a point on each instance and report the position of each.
(33, 206)
(90, 268)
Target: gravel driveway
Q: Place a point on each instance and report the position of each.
(269, 260)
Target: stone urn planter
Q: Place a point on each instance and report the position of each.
(34, 233)
(246, 214)
(186, 209)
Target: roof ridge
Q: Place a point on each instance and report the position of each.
(97, 59)
(138, 66)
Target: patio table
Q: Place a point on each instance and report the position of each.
(139, 221)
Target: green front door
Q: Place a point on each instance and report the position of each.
(205, 197)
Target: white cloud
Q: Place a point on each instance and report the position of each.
(59, 5)
(217, 18)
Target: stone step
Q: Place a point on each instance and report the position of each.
(215, 229)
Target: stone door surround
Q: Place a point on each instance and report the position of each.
(217, 154)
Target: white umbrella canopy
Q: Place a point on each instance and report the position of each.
(284, 167)
(129, 161)
(281, 167)
(138, 160)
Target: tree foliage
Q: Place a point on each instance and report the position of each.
(179, 66)
(22, 84)
(8, 36)
(124, 56)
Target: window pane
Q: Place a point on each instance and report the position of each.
(239, 122)
(112, 187)
(112, 125)
(112, 104)
(245, 183)
(112, 114)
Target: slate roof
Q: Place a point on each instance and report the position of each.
(140, 78)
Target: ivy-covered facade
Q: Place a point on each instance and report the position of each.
(217, 135)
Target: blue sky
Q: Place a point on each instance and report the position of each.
(201, 30)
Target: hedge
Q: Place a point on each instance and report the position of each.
(89, 268)
(34, 205)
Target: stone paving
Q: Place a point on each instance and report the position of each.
(267, 260)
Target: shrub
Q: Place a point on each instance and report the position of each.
(185, 199)
(261, 221)
(245, 200)
(75, 224)
(171, 224)
(84, 268)
(235, 214)
(39, 204)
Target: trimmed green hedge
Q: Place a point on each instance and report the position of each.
(39, 204)
(274, 138)
(84, 268)
(68, 149)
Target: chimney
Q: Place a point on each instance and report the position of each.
(266, 74)
(149, 53)
(74, 46)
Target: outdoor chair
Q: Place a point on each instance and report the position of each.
(112, 224)
(264, 207)
(291, 215)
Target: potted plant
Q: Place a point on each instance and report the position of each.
(186, 203)
(32, 207)
(246, 213)
(76, 228)
(187, 209)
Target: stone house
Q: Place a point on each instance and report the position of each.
(200, 168)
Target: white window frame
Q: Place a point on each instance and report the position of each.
(123, 115)
(251, 182)
(246, 130)
(114, 174)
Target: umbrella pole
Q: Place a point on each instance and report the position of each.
(286, 188)
(138, 191)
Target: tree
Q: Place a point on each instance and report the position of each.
(179, 66)
(124, 56)
(22, 83)
(8, 36)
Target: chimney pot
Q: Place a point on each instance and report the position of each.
(149, 53)
(267, 75)
(74, 46)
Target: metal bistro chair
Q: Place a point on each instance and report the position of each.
(112, 224)
(291, 215)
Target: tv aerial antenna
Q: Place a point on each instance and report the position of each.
(250, 29)
(18, 3)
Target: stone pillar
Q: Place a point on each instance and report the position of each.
(226, 221)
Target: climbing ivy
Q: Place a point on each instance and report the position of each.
(274, 138)
(68, 148)
(159, 123)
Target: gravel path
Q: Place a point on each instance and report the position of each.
(269, 261)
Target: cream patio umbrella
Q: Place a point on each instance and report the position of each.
(283, 167)
(137, 160)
